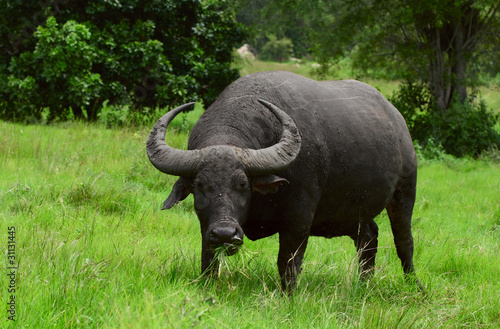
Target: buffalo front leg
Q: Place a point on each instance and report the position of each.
(291, 253)
(209, 264)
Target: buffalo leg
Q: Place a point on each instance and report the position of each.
(366, 242)
(291, 253)
(209, 264)
(400, 211)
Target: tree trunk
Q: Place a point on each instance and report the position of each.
(459, 67)
(450, 46)
(439, 70)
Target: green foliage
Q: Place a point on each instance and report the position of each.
(431, 151)
(277, 50)
(437, 42)
(284, 19)
(70, 57)
(465, 129)
(468, 128)
(58, 73)
(115, 116)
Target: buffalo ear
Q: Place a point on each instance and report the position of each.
(268, 184)
(180, 191)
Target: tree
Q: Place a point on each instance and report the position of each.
(435, 40)
(62, 54)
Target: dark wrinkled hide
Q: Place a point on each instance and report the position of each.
(356, 159)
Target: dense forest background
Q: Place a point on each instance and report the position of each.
(63, 59)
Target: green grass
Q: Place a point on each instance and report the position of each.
(491, 96)
(95, 251)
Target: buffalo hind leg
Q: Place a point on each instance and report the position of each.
(366, 242)
(400, 210)
(291, 253)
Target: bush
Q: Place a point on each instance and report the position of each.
(464, 129)
(277, 50)
(57, 74)
(431, 151)
(468, 128)
(116, 116)
(66, 58)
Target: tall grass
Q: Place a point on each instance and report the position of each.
(95, 251)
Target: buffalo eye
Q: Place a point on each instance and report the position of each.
(200, 185)
(201, 195)
(242, 183)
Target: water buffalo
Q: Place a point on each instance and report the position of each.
(281, 153)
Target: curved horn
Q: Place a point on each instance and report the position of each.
(277, 157)
(168, 159)
(255, 162)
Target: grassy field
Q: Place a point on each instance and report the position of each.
(94, 250)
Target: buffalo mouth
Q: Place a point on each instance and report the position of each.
(228, 249)
(225, 238)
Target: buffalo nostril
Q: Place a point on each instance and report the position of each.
(213, 238)
(236, 240)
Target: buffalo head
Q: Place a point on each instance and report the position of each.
(222, 179)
